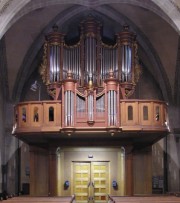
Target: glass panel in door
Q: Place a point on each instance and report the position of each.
(100, 181)
(81, 179)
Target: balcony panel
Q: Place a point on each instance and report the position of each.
(36, 115)
(125, 117)
(146, 115)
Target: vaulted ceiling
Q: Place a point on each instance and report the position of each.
(25, 22)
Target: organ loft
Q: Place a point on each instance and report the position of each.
(93, 137)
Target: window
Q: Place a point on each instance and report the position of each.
(51, 113)
(130, 113)
(36, 114)
(157, 113)
(24, 114)
(145, 113)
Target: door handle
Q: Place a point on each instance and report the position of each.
(90, 183)
(91, 199)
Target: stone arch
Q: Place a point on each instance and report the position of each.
(11, 11)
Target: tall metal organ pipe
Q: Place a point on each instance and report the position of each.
(54, 63)
(112, 108)
(109, 61)
(126, 41)
(90, 58)
(126, 63)
(69, 108)
(71, 61)
(90, 107)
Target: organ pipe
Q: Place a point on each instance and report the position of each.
(126, 42)
(54, 63)
(90, 107)
(100, 104)
(69, 108)
(108, 61)
(80, 106)
(90, 59)
(112, 96)
(71, 61)
(112, 108)
(69, 97)
(55, 42)
(126, 63)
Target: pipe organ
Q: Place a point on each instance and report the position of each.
(90, 82)
(91, 74)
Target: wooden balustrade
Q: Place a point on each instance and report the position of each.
(46, 116)
(143, 115)
(38, 116)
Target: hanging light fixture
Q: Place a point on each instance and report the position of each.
(36, 86)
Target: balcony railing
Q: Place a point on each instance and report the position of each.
(48, 116)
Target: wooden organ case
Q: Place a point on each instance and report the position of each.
(90, 77)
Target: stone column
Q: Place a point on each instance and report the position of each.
(121, 173)
(59, 171)
(52, 172)
(129, 171)
(173, 155)
(3, 171)
(173, 163)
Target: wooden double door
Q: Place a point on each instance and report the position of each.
(91, 181)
